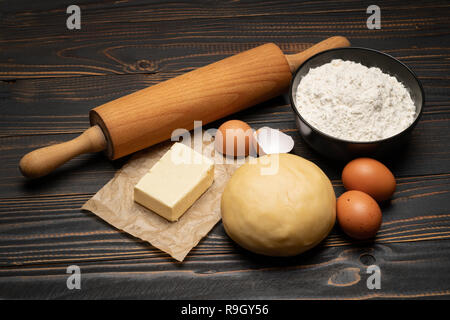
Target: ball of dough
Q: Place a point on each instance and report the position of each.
(282, 205)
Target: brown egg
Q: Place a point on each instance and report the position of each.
(358, 214)
(370, 176)
(233, 138)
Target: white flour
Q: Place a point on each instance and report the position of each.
(349, 101)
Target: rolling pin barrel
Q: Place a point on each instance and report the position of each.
(150, 115)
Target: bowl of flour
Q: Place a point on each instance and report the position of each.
(352, 102)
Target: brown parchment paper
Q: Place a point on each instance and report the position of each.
(114, 203)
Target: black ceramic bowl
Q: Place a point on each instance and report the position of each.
(345, 149)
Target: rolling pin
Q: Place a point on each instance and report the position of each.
(148, 116)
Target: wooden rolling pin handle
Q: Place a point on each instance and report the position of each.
(42, 161)
(295, 60)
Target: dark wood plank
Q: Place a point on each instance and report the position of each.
(143, 37)
(342, 274)
(52, 77)
(39, 112)
(61, 105)
(418, 210)
(416, 221)
(427, 153)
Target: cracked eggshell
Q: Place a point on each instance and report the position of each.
(270, 141)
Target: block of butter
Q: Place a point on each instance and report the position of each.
(175, 182)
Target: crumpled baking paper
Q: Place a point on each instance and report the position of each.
(114, 203)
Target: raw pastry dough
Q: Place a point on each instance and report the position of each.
(280, 214)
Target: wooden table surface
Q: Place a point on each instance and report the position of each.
(51, 77)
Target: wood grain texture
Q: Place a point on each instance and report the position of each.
(52, 77)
